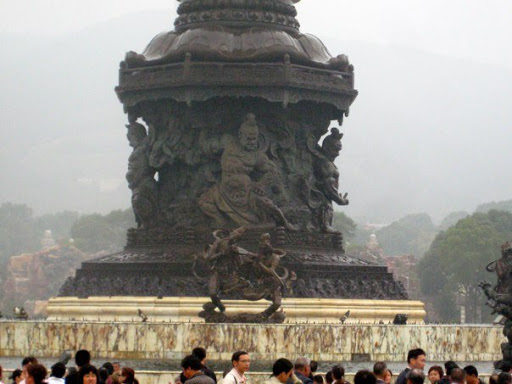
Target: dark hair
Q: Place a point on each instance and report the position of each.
(103, 374)
(314, 366)
(28, 360)
(192, 362)
(329, 378)
(37, 372)
(364, 376)
(129, 373)
(85, 370)
(505, 367)
(416, 376)
(449, 366)
(493, 379)
(379, 368)
(471, 370)
(83, 357)
(390, 371)
(58, 370)
(109, 367)
(16, 373)
(438, 369)
(236, 356)
(280, 366)
(318, 379)
(458, 375)
(199, 352)
(504, 378)
(338, 372)
(414, 353)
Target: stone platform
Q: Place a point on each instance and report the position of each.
(186, 309)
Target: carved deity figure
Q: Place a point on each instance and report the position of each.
(140, 176)
(327, 177)
(240, 197)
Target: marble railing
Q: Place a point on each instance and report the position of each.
(322, 342)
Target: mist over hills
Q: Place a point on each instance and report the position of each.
(427, 133)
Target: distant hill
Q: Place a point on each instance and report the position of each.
(505, 205)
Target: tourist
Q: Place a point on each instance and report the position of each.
(415, 376)
(457, 376)
(449, 366)
(338, 374)
(16, 376)
(380, 369)
(302, 369)
(200, 353)
(241, 363)
(388, 376)
(365, 377)
(472, 375)
(191, 366)
(506, 367)
(82, 359)
(435, 373)
(282, 370)
(128, 376)
(1, 374)
(318, 379)
(57, 373)
(110, 369)
(329, 379)
(504, 378)
(416, 359)
(313, 365)
(493, 379)
(117, 366)
(36, 373)
(88, 374)
(24, 365)
(115, 378)
(103, 375)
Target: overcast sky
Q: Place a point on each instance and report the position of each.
(455, 152)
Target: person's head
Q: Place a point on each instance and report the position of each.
(329, 378)
(26, 362)
(504, 378)
(115, 377)
(493, 379)
(449, 366)
(282, 370)
(458, 375)
(435, 373)
(136, 133)
(249, 133)
(128, 375)
(506, 367)
(88, 374)
(190, 365)
(314, 366)
(338, 372)
(388, 376)
(365, 377)
(471, 374)
(379, 369)
(16, 376)
(200, 353)
(36, 373)
(117, 366)
(103, 374)
(109, 367)
(58, 370)
(1, 372)
(415, 376)
(241, 361)
(416, 358)
(318, 379)
(303, 365)
(82, 358)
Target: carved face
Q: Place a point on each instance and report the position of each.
(249, 140)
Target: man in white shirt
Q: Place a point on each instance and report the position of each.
(57, 375)
(241, 363)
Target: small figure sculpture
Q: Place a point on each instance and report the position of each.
(327, 176)
(240, 196)
(500, 298)
(140, 175)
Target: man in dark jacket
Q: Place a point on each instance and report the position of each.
(416, 359)
(302, 369)
(200, 353)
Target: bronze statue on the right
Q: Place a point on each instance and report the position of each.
(500, 298)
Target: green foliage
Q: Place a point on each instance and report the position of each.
(95, 233)
(345, 225)
(451, 219)
(505, 205)
(411, 234)
(456, 260)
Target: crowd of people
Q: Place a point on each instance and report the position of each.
(32, 372)
(302, 371)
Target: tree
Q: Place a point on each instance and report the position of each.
(411, 235)
(455, 263)
(505, 205)
(345, 225)
(451, 219)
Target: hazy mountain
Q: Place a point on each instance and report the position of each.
(427, 133)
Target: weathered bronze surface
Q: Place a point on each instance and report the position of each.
(226, 118)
